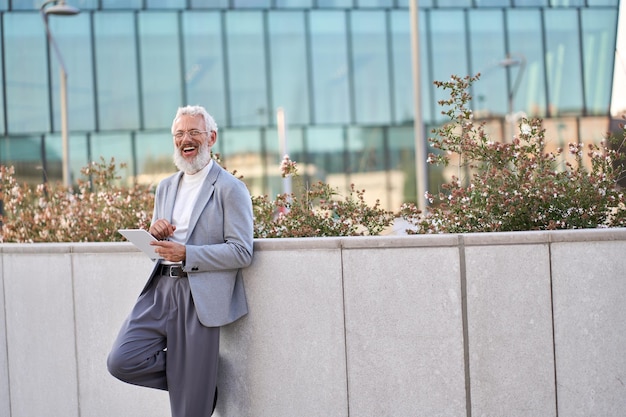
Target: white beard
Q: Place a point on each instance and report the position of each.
(200, 161)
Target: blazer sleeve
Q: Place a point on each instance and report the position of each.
(229, 247)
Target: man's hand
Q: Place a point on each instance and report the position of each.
(170, 251)
(162, 229)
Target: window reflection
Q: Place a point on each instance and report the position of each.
(370, 66)
(247, 82)
(563, 62)
(203, 75)
(159, 43)
(118, 100)
(330, 67)
(289, 71)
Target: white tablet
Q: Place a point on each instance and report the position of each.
(141, 238)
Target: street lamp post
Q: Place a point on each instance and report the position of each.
(421, 170)
(60, 9)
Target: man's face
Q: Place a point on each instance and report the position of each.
(192, 145)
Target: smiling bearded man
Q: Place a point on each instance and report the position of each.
(203, 220)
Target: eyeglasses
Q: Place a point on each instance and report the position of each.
(194, 133)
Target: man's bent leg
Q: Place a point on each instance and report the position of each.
(192, 357)
(138, 355)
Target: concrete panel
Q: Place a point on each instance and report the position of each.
(510, 330)
(5, 399)
(590, 327)
(106, 287)
(40, 331)
(404, 332)
(286, 358)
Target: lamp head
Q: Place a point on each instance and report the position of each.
(60, 9)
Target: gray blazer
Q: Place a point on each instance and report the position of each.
(218, 244)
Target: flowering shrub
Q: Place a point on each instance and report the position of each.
(506, 187)
(93, 212)
(316, 210)
(516, 186)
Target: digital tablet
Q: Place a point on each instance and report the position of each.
(141, 238)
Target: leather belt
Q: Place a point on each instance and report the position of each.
(173, 271)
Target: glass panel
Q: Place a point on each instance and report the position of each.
(118, 102)
(78, 153)
(241, 151)
(117, 146)
(326, 154)
(336, 4)
(375, 3)
(300, 4)
(370, 64)
(159, 45)
(493, 3)
(295, 150)
(247, 70)
(154, 157)
(122, 4)
(594, 3)
(454, 3)
(72, 34)
(448, 46)
(251, 4)
(288, 56)
(599, 32)
(403, 105)
(166, 4)
(526, 45)
(204, 67)
(329, 60)
(530, 3)
(213, 4)
(402, 167)
(24, 154)
(490, 93)
(366, 153)
(568, 3)
(563, 62)
(84, 4)
(26, 73)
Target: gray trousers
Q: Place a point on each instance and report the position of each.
(163, 345)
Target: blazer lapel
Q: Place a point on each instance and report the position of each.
(170, 196)
(206, 191)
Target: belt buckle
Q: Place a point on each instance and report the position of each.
(172, 269)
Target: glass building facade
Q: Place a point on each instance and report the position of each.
(340, 69)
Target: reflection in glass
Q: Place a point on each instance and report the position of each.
(370, 64)
(448, 47)
(154, 156)
(161, 92)
(526, 42)
(247, 81)
(487, 48)
(26, 73)
(563, 62)
(204, 63)
(288, 60)
(117, 146)
(118, 101)
(241, 150)
(598, 41)
(329, 59)
(403, 102)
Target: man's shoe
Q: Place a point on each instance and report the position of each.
(214, 401)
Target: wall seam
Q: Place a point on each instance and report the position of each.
(78, 405)
(466, 355)
(345, 332)
(556, 391)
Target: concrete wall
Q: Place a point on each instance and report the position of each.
(507, 324)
